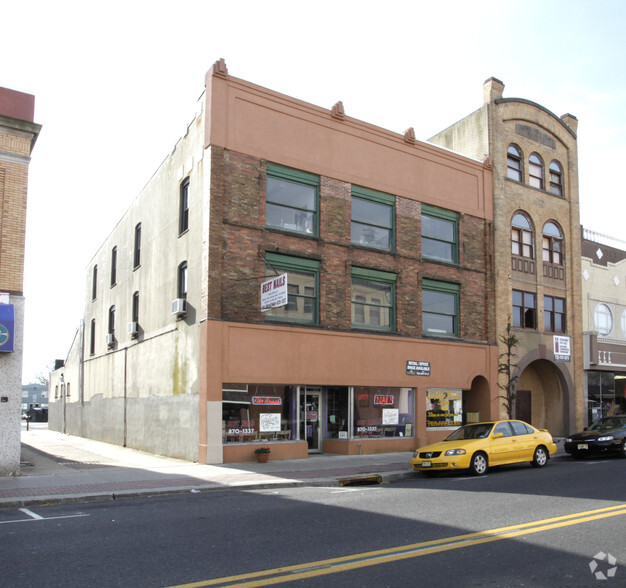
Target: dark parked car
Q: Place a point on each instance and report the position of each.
(606, 435)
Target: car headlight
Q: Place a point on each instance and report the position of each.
(568, 440)
(415, 453)
(607, 438)
(455, 452)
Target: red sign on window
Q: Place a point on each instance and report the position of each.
(384, 399)
(267, 400)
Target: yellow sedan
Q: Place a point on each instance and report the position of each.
(478, 446)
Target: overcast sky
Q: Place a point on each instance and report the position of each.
(116, 83)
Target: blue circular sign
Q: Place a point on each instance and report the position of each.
(4, 335)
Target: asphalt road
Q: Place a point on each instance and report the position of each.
(563, 525)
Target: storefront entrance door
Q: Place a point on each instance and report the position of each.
(311, 418)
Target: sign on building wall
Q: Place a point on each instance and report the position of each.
(417, 368)
(274, 293)
(7, 327)
(561, 348)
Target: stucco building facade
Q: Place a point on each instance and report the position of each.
(537, 250)
(18, 134)
(380, 245)
(604, 324)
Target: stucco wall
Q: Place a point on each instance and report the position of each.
(11, 388)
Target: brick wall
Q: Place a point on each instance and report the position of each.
(238, 234)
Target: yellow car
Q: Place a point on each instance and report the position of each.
(478, 446)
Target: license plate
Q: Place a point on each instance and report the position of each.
(583, 446)
(426, 464)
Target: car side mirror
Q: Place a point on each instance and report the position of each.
(498, 435)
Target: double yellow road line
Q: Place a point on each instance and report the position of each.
(372, 558)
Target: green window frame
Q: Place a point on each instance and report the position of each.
(302, 287)
(292, 200)
(372, 219)
(440, 234)
(440, 308)
(373, 299)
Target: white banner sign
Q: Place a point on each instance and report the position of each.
(274, 293)
(561, 348)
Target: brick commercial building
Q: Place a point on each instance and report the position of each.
(369, 251)
(537, 250)
(18, 134)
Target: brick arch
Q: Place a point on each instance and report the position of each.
(556, 411)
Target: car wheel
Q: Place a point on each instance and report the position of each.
(479, 465)
(540, 458)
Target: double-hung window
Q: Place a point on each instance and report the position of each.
(440, 234)
(373, 294)
(522, 237)
(524, 309)
(183, 213)
(291, 200)
(552, 244)
(373, 216)
(554, 314)
(302, 288)
(514, 163)
(535, 171)
(440, 308)
(556, 178)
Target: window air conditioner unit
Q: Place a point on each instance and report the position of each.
(179, 307)
(133, 329)
(110, 340)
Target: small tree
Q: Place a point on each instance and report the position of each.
(507, 367)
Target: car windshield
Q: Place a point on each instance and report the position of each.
(608, 423)
(478, 431)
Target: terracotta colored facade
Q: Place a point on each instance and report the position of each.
(349, 365)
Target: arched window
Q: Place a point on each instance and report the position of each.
(535, 171)
(603, 319)
(552, 244)
(514, 163)
(522, 236)
(556, 179)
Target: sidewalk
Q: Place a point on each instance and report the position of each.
(63, 468)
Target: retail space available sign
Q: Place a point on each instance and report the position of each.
(561, 348)
(417, 368)
(274, 293)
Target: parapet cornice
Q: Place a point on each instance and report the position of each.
(540, 107)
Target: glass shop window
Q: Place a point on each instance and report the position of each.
(383, 412)
(257, 413)
(444, 408)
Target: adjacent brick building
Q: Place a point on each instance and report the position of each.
(18, 134)
(387, 339)
(537, 250)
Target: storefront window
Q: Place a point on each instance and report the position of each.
(444, 408)
(257, 413)
(605, 395)
(383, 412)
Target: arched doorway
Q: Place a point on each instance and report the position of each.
(543, 395)
(477, 401)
